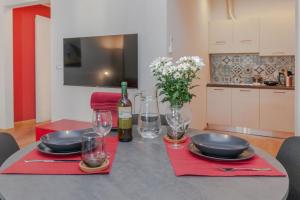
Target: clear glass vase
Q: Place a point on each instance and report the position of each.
(178, 118)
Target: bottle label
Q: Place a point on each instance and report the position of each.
(125, 118)
(125, 112)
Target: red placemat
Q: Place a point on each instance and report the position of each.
(20, 167)
(185, 163)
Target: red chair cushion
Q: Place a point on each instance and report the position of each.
(106, 101)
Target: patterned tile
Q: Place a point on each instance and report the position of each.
(240, 68)
(269, 69)
(227, 60)
(259, 69)
(248, 69)
(236, 70)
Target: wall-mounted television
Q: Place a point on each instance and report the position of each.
(103, 61)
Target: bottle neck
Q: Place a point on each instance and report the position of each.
(124, 91)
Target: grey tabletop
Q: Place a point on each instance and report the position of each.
(141, 170)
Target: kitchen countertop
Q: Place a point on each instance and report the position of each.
(262, 86)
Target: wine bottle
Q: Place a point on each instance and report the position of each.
(124, 116)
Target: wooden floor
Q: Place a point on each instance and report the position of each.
(25, 134)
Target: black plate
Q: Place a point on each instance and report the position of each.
(246, 155)
(63, 140)
(44, 149)
(220, 145)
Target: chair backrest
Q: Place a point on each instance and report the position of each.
(289, 157)
(106, 101)
(1, 197)
(8, 146)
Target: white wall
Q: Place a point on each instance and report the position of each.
(188, 26)
(103, 17)
(6, 69)
(253, 8)
(297, 73)
(20, 3)
(42, 69)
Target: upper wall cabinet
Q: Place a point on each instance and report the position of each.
(220, 36)
(240, 36)
(277, 36)
(246, 36)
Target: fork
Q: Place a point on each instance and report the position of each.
(230, 169)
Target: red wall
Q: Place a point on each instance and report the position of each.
(24, 59)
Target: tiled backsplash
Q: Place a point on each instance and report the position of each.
(240, 68)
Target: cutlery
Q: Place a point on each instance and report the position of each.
(230, 169)
(50, 161)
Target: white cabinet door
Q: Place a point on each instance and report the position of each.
(246, 36)
(219, 105)
(277, 36)
(277, 110)
(245, 107)
(220, 36)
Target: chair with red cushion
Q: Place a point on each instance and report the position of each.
(106, 101)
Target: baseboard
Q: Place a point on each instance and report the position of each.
(25, 122)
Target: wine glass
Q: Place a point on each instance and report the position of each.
(102, 123)
(178, 118)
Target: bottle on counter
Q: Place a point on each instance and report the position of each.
(124, 116)
(281, 78)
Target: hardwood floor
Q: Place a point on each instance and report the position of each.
(24, 133)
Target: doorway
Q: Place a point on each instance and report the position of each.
(30, 63)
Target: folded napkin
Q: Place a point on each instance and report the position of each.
(185, 163)
(20, 167)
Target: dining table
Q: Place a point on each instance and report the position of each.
(142, 171)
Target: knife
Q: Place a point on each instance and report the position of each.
(50, 161)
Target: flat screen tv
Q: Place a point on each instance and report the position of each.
(101, 61)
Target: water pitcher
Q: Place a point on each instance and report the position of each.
(149, 124)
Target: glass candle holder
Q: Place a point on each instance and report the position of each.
(93, 152)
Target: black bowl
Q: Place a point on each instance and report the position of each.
(63, 141)
(270, 83)
(220, 145)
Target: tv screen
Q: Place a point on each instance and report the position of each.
(101, 61)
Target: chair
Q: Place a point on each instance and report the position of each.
(289, 157)
(1, 197)
(106, 101)
(8, 146)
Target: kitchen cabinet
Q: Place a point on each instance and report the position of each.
(239, 36)
(246, 36)
(277, 36)
(264, 109)
(245, 107)
(220, 36)
(277, 110)
(219, 105)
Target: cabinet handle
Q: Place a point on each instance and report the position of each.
(244, 41)
(218, 89)
(220, 42)
(277, 92)
(245, 90)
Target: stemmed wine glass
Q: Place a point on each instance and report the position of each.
(102, 123)
(178, 119)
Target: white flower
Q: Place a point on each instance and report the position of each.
(177, 75)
